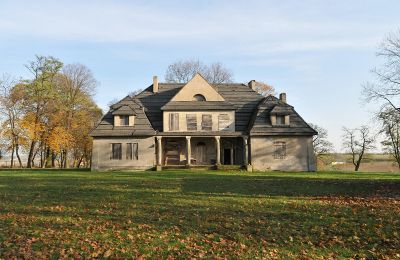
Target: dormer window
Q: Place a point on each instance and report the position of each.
(280, 120)
(199, 97)
(124, 120)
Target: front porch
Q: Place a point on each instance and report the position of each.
(201, 151)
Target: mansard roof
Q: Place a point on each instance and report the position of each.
(252, 111)
(126, 106)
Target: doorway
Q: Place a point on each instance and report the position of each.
(227, 156)
(201, 153)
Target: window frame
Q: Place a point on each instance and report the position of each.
(193, 118)
(204, 125)
(132, 151)
(172, 119)
(199, 98)
(114, 154)
(123, 120)
(228, 121)
(280, 152)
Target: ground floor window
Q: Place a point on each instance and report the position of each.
(280, 150)
(132, 151)
(116, 151)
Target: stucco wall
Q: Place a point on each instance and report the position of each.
(299, 154)
(183, 124)
(197, 85)
(102, 154)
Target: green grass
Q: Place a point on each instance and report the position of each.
(199, 214)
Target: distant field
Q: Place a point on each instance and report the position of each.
(370, 163)
(199, 214)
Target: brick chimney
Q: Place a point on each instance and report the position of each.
(282, 97)
(155, 84)
(252, 84)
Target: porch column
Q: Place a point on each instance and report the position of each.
(218, 146)
(245, 151)
(159, 151)
(232, 158)
(188, 151)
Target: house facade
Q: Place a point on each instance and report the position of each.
(201, 124)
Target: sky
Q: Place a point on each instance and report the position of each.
(319, 52)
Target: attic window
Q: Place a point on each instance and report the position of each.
(199, 97)
(280, 120)
(124, 120)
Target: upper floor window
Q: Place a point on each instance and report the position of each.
(223, 122)
(124, 120)
(199, 97)
(206, 122)
(174, 122)
(191, 122)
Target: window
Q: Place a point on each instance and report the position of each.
(199, 97)
(123, 120)
(280, 150)
(173, 121)
(132, 151)
(116, 151)
(191, 122)
(280, 120)
(206, 122)
(223, 122)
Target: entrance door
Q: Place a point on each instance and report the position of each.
(227, 156)
(201, 153)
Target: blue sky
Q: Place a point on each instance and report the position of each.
(318, 52)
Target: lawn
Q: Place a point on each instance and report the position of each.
(199, 214)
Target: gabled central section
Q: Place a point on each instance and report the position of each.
(197, 89)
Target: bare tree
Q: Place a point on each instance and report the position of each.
(184, 70)
(390, 119)
(386, 88)
(264, 88)
(358, 141)
(135, 92)
(320, 141)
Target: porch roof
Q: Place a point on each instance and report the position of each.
(205, 134)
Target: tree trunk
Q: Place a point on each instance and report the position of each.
(17, 154)
(12, 154)
(53, 159)
(30, 155)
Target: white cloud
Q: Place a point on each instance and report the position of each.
(251, 28)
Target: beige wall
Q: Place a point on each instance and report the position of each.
(299, 154)
(102, 154)
(183, 125)
(197, 85)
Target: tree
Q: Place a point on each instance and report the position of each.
(320, 141)
(11, 108)
(184, 70)
(38, 96)
(264, 88)
(357, 141)
(386, 88)
(390, 120)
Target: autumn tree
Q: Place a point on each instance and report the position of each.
(184, 70)
(11, 110)
(38, 96)
(357, 141)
